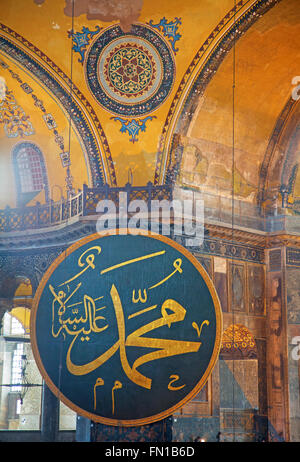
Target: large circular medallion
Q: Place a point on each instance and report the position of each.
(130, 74)
(126, 329)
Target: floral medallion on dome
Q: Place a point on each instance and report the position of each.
(130, 74)
(130, 70)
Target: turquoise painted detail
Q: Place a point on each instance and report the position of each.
(81, 40)
(133, 127)
(169, 29)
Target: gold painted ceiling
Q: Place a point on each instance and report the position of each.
(145, 88)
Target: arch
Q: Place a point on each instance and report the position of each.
(83, 116)
(196, 78)
(278, 169)
(30, 172)
(10, 283)
(13, 325)
(22, 303)
(238, 343)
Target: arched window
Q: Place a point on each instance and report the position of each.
(30, 172)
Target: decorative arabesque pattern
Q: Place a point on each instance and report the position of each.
(169, 29)
(133, 127)
(14, 119)
(129, 70)
(81, 112)
(81, 40)
(130, 74)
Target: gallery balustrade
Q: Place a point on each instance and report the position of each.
(217, 209)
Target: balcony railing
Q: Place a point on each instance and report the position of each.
(217, 208)
(82, 204)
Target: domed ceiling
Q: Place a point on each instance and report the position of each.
(262, 66)
(108, 90)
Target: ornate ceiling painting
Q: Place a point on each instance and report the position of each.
(130, 74)
(126, 92)
(198, 117)
(32, 61)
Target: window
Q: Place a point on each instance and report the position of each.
(16, 375)
(12, 327)
(30, 172)
(20, 380)
(16, 327)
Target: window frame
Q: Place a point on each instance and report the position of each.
(21, 179)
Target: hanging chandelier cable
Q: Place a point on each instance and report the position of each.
(69, 179)
(232, 206)
(70, 193)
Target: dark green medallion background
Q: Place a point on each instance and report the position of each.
(108, 394)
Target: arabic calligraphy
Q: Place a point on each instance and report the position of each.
(171, 312)
(99, 383)
(174, 378)
(140, 298)
(177, 265)
(127, 320)
(117, 386)
(75, 325)
(195, 326)
(89, 261)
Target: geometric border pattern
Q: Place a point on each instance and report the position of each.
(225, 249)
(222, 248)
